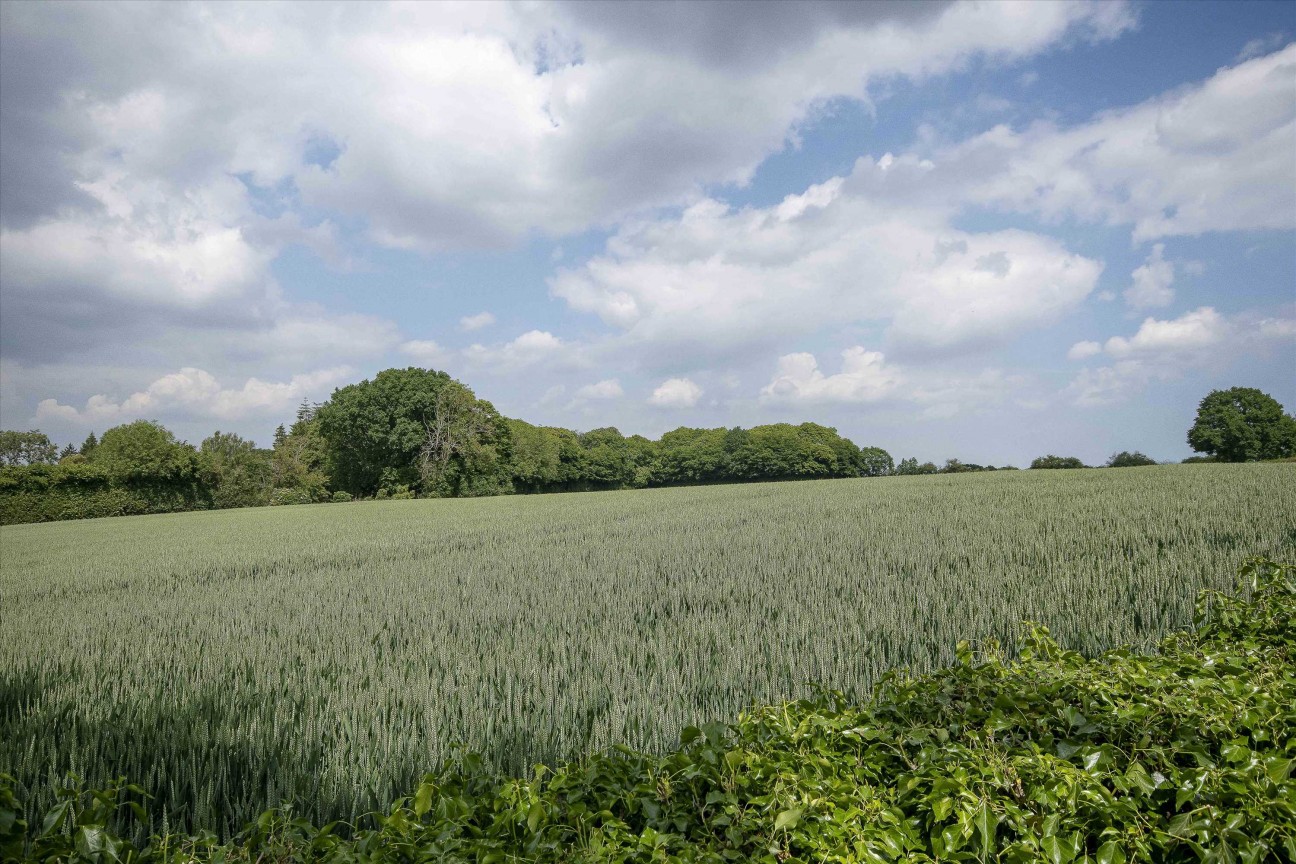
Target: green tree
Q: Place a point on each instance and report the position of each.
(910, 467)
(146, 449)
(414, 428)
(1242, 424)
(1051, 461)
(609, 462)
(27, 448)
(240, 474)
(297, 463)
(692, 456)
(465, 448)
(537, 457)
(1126, 459)
(89, 445)
(875, 462)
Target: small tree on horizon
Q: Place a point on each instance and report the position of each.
(1051, 461)
(1126, 459)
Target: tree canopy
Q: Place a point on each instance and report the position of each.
(1126, 459)
(145, 448)
(239, 473)
(26, 448)
(1242, 424)
(1051, 461)
(412, 428)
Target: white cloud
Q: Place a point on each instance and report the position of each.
(1165, 350)
(1213, 157)
(607, 389)
(879, 246)
(1084, 350)
(1152, 281)
(718, 280)
(867, 378)
(1262, 45)
(530, 349)
(1194, 330)
(147, 242)
(476, 322)
(425, 352)
(195, 392)
(864, 377)
(676, 393)
(474, 124)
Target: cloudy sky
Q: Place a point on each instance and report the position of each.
(974, 230)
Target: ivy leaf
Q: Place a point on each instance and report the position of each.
(423, 799)
(787, 819)
(1055, 851)
(1110, 853)
(986, 821)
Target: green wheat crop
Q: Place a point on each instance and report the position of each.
(330, 655)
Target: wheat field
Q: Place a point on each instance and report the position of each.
(329, 655)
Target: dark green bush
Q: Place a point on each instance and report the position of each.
(1126, 459)
(341, 497)
(1051, 461)
(45, 493)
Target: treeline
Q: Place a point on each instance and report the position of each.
(411, 433)
(406, 433)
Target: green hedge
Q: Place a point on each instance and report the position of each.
(46, 493)
(1183, 755)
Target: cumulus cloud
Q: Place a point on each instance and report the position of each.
(490, 120)
(868, 378)
(675, 393)
(476, 322)
(606, 389)
(532, 348)
(719, 280)
(425, 352)
(1084, 350)
(195, 392)
(1164, 350)
(864, 377)
(1192, 331)
(1152, 281)
(1213, 157)
(879, 244)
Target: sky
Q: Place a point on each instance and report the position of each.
(984, 231)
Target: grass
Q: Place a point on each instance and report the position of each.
(330, 655)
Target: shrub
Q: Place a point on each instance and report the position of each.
(341, 497)
(1051, 461)
(81, 490)
(1126, 459)
(280, 497)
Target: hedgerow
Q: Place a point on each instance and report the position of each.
(1182, 754)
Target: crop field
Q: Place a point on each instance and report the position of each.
(331, 654)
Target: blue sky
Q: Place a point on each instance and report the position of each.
(983, 231)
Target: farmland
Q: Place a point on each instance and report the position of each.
(331, 655)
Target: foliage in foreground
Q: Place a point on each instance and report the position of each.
(1182, 755)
